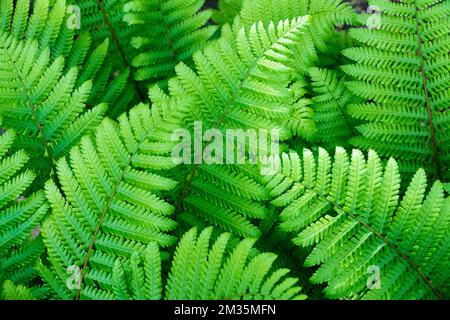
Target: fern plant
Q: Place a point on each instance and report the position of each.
(115, 203)
(402, 70)
(226, 11)
(18, 215)
(40, 102)
(252, 95)
(199, 272)
(50, 24)
(350, 211)
(176, 29)
(115, 183)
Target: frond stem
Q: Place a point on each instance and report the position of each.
(413, 265)
(106, 209)
(436, 161)
(123, 56)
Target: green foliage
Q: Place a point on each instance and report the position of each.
(18, 215)
(39, 100)
(105, 195)
(403, 70)
(351, 212)
(330, 108)
(326, 15)
(50, 24)
(252, 95)
(109, 203)
(176, 29)
(16, 292)
(227, 10)
(149, 37)
(203, 272)
(46, 24)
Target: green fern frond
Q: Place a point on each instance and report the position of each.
(10, 291)
(110, 201)
(53, 24)
(326, 15)
(351, 212)
(174, 30)
(402, 70)
(44, 21)
(41, 103)
(19, 215)
(226, 12)
(240, 83)
(202, 271)
(334, 125)
(103, 21)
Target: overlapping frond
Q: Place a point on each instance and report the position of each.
(43, 21)
(241, 83)
(326, 15)
(110, 201)
(174, 30)
(403, 71)
(202, 271)
(56, 25)
(226, 12)
(19, 215)
(334, 125)
(41, 103)
(369, 242)
(10, 291)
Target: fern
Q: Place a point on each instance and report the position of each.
(402, 70)
(41, 103)
(251, 94)
(351, 213)
(110, 196)
(49, 25)
(100, 200)
(326, 15)
(175, 30)
(321, 107)
(16, 292)
(18, 215)
(137, 29)
(330, 108)
(199, 272)
(227, 10)
(45, 24)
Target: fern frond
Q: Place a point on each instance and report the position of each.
(402, 70)
(174, 30)
(41, 103)
(53, 25)
(110, 203)
(19, 216)
(326, 15)
(10, 291)
(43, 21)
(351, 212)
(226, 12)
(241, 83)
(331, 117)
(200, 271)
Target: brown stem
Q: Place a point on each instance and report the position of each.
(436, 162)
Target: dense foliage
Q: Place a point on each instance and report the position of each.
(353, 203)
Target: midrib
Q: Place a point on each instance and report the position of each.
(37, 123)
(119, 48)
(107, 207)
(434, 146)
